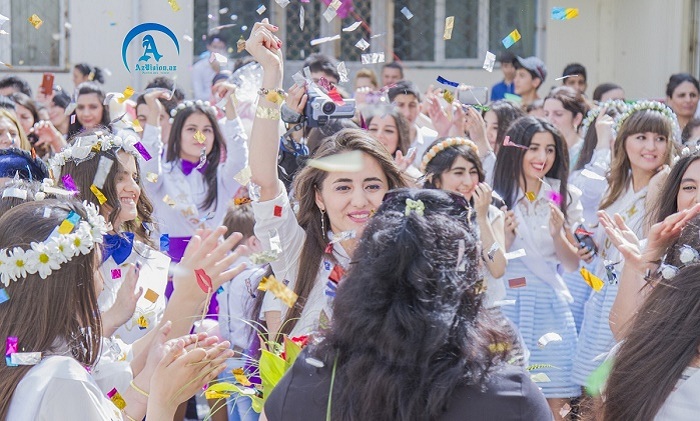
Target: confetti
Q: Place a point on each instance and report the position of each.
(508, 142)
(103, 168)
(169, 201)
(342, 162)
(448, 96)
(116, 273)
(314, 362)
(203, 280)
(489, 61)
(540, 378)
(142, 150)
(35, 21)
(517, 282)
(444, 81)
(261, 9)
(499, 347)
(116, 399)
(243, 177)
(165, 242)
(512, 98)
(555, 197)
(187, 38)
(4, 296)
(530, 196)
(282, 3)
(128, 92)
(202, 158)
(449, 24)
(547, 338)
(68, 183)
(336, 274)
(301, 17)
(492, 251)
(240, 44)
(219, 58)
(330, 13)
(173, 5)
(277, 211)
(596, 381)
(10, 348)
(322, 40)
(25, 358)
(593, 281)
(511, 39)
(591, 175)
(152, 177)
(199, 137)
(14, 192)
(352, 27)
(69, 223)
(343, 72)
(3, 19)
(564, 411)
(362, 44)
(515, 254)
(564, 13)
(98, 193)
(240, 377)
(279, 290)
(372, 58)
(407, 13)
(9, 66)
(151, 295)
(263, 257)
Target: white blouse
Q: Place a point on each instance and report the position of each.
(683, 403)
(182, 216)
(286, 267)
(59, 388)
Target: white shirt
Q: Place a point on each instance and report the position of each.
(683, 403)
(59, 388)
(286, 267)
(202, 77)
(188, 192)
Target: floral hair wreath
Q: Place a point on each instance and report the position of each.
(687, 256)
(593, 114)
(186, 104)
(85, 148)
(654, 106)
(449, 142)
(71, 238)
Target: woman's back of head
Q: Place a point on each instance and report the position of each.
(407, 323)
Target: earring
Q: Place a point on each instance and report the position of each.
(323, 223)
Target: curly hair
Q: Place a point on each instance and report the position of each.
(420, 331)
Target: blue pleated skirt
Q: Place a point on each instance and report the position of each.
(580, 290)
(537, 311)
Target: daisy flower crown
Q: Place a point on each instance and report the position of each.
(593, 114)
(86, 147)
(654, 106)
(181, 106)
(450, 141)
(73, 237)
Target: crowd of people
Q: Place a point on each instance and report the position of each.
(527, 258)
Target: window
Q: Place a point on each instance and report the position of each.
(479, 25)
(26, 47)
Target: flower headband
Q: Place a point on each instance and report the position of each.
(186, 104)
(85, 148)
(71, 238)
(593, 114)
(449, 142)
(654, 106)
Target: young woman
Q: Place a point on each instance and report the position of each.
(84, 72)
(391, 129)
(498, 118)
(90, 111)
(48, 271)
(533, 181)
(682, 95)
(26, 110)
(330, 203)
(11, 133)
(565, 108)
(642, 148)
(413, 333)
(656, 370)
(453, 164)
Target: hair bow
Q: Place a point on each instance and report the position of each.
(414, 205)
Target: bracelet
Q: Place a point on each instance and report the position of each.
(277, 95)
(267, 113)
(138, 389)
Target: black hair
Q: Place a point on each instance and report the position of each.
(422, 320)
(86, 88)
(677, 79)
(506, 57)
(323, 63)
(86, 69)
(508, 172)
(403, 87)
(168, 83)
(575, 69)
(23, 100)
(506, 113)
(16, 83)
(213, 37)
(688, 129)
(7, 103)
(603, 88)
(61, 99)
(394, 65)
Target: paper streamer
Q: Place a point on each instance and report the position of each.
(444, 81)
(10, 348)
(98, 193)
(142, 150)
(68, 183)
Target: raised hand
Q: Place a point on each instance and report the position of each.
(263, 45)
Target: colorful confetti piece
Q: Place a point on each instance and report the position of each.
(68, 183)
(444, 81)
(564, 13)
(151, 295)
(128, 92)
(116, 273)
(517, 282)
(4, 296)
(98, 194)
(489, 61)
(449, 25)
(593, 281)
(173, 5)
(511, 39)
(35, 21)
(152, 177)
(199, 137)
(407, 13)
(279, 289)
(342, 162)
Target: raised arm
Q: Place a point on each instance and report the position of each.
(264, 46)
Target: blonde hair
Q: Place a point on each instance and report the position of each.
(23, 141)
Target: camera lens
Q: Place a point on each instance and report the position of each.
(328, 107)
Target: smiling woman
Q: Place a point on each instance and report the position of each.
(90, 111)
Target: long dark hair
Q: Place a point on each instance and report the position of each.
(666, 203)
(307, 182)
(661, 342)
(46, 315)
(86, 70)
(508, 172)
(506, 113)
(443, 160)
(213, 157)
(84, 173)
(402, 128)
(420, 332)
(86, 88)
